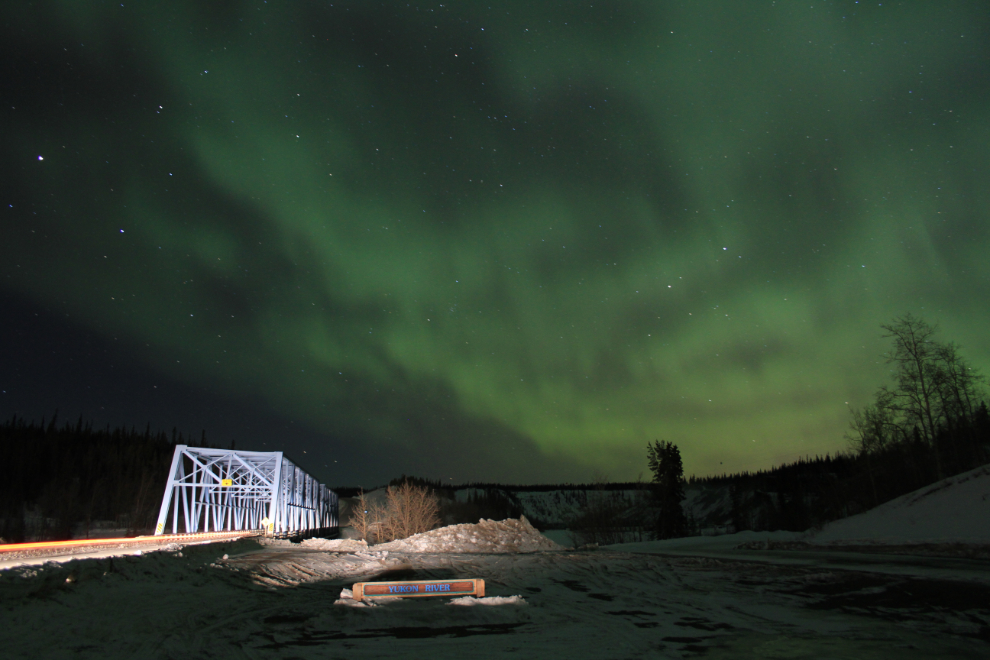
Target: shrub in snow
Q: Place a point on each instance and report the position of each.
(409, 509)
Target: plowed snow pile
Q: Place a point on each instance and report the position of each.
(335, 545)
(347, 600)
(509, 535)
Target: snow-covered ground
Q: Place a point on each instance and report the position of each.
(956, 509)
(696, 597)
(290, 602)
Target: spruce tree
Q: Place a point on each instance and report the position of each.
(668, 488)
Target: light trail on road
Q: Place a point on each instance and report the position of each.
(135, 540)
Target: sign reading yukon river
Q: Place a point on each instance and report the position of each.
(419, 588)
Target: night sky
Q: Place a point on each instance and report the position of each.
(511, 243)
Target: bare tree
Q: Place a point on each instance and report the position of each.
(932, 403)
(917, 395)
(361, 517)
(959, 383)
(874, 429)
(411, 510)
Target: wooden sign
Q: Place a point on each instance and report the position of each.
(419, 588)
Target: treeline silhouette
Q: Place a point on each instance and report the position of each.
(813, 491)
(931, 423)
(62, 480)
(439, 485)
(495, 502)
(795, 496)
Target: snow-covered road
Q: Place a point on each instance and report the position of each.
(779, 548)
(279, 603)
(744, 595)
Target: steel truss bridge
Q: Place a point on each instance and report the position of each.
(217, 490)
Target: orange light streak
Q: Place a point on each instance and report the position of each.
(164, 538)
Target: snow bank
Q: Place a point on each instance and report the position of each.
(954, 510)
(347, 600)
(290, 567)
(335, 545)
(469, 601)
(509, 535)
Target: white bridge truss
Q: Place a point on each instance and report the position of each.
(218, 490)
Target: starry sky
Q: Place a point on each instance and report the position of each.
(510, 241)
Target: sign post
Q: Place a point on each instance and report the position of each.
(419, 588)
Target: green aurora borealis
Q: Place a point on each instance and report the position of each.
(513, 243)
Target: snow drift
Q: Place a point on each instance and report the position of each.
(954, 510)
(509, 535)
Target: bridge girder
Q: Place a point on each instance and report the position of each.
(229, 490)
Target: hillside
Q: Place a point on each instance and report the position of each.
(953, 510)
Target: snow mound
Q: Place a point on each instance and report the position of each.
(952, 510)
(470, 601)
(508, 535)
(335, 545)
(347, 600)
